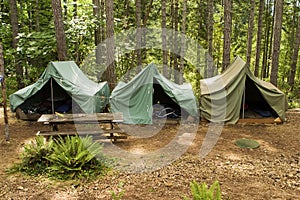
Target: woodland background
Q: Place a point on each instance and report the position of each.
(265, 33)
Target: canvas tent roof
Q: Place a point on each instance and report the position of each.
(135, 98)
(90, 96)
(222, 95)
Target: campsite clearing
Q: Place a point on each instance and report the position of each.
(268, 172)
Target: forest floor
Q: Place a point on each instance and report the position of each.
(271, 171)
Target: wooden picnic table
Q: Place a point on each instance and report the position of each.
(54, 120)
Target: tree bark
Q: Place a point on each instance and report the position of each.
(259, 37)
(138, 36)
(171, 39)
(59, 30)
(110, 44)
(209, 72)
(15, 32)
(291, 78)
(175, 42)
(97, 33)
(164, 38)
(227, 34)
(268, 40)
(37, 15)
(3, 88)
(250, 33)
(183, 43)
(276, 41)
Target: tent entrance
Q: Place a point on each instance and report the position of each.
(253, 103)
(163, 105)
(51, 97)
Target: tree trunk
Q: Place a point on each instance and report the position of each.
(97, 33)
(259, 36)
(110, 44)
(126, 14)
(59, 30)
(164, 38)
(146, 16)
(37, 15)
(291, 78)
(3, 88)
(138, 36)
(175, 42)
(171, 38)
(209, 72)
(250, 31)
(276, 41)
(183, 43)
(15, 32)
(227, 34)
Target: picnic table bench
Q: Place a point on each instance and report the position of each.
(55, 120)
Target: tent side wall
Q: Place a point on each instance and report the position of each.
(221, 96)
(225, 104)
(134, 99)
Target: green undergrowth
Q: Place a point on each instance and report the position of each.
(66, 158)
(203, 192)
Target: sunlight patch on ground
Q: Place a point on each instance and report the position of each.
(266, 146)
(138, 150)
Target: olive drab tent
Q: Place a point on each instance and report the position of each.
(227, 97)
(61, 86)
(136, 98)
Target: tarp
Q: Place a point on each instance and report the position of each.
(135, 99)
(223, 96)
(91, 97)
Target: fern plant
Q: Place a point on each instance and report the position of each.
(73, 157)
(202, 192)
(34, 157)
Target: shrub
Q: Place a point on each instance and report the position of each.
(75, 157)
(202, 192)
(33, 158)
(65, 158)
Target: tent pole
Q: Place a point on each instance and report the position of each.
(244, 102)
(52, 98)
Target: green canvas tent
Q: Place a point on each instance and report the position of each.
(61, 85)
(136, 98)
(226, 97)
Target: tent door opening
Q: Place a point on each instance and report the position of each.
(163, 105)
(253, 103)
(51, 98)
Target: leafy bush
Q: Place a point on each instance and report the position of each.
(202, 192)
(63, 158)
(34, 157)
(74, 157)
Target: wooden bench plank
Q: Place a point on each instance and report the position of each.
(112, 134)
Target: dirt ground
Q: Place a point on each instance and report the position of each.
(271, 171)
